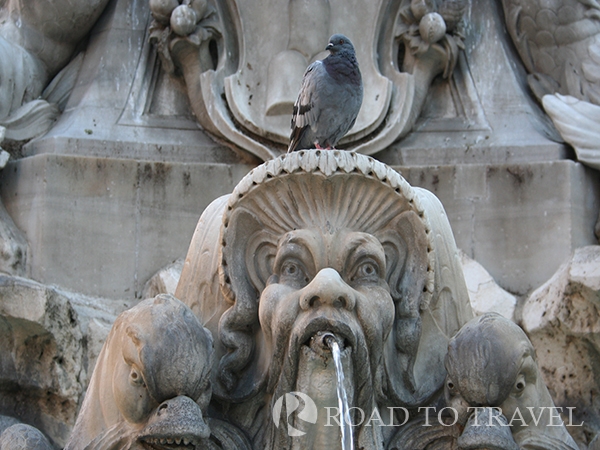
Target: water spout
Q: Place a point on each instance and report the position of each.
(345, 423)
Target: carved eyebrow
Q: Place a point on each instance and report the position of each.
(296, 244)
(363, 245)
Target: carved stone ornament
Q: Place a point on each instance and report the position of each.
(37, 41)
(243, 62)
(559, 44)
(491, 363)
(324, 241)
(151, 381)
(23, 437)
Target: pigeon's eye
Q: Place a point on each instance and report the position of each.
(341, 41)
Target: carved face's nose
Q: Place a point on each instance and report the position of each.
(328, 288)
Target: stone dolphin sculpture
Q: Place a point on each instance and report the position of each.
(491, 363)
(151, 382)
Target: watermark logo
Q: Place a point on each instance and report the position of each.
(307, 413)
(305, 410)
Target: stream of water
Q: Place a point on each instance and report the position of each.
(345, 423)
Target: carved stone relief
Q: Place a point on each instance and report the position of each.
(492, 364)
(308, 244)
(311, 246)
(23, 437)
(243, 71)
(151, 381)
(37, 41)
(559, 44)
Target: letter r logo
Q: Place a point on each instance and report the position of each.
(308, 413)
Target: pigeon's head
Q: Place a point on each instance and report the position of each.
(339, 43)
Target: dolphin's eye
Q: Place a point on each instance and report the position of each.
(520, 384)
(135, 377)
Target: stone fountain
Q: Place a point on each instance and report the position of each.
(323, 301)
(332, 290)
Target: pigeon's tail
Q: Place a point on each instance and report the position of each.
(296, 139)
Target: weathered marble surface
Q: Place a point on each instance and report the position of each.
(13, 246)
(51, 341)
(484, 294)
(164, 281)
(125, 110)
(559, 44)
(113, 191)
(562, 319)
(37, 40)
(23, 437)
(256, 52)
(519, 221)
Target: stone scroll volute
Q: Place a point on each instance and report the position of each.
(243, 61)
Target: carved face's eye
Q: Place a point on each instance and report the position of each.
(292, 272)
(450, 386)
(290, 269)
(366, 271)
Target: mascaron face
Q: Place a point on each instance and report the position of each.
(338, 276)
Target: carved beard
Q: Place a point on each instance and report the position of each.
(284, 373)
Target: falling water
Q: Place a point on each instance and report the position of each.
(345, 427)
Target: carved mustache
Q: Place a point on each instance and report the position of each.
(342, 324)
(346, 336)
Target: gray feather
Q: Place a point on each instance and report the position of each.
(329, 98)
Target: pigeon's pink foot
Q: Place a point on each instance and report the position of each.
(318, 147)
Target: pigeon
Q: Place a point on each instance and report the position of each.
(329, 99)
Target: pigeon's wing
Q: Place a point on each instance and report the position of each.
(306, 109)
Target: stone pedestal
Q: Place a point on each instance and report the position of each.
(113, 191)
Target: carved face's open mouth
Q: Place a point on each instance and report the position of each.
(324, 341)
(321, 334)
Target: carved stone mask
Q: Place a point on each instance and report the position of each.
(338, 228)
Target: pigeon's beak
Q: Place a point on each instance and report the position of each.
(329, 46)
